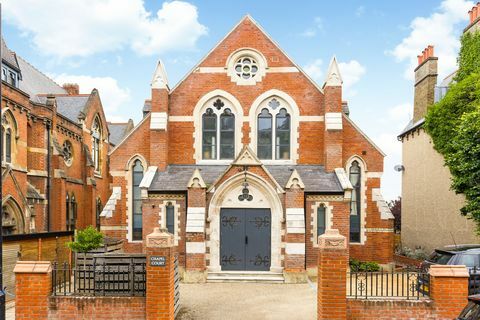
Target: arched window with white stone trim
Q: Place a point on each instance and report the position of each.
(96, 143)
(356, 169)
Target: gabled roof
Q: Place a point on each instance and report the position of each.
(35, 82)
(119, 130)
(247, 17)
(9, 57)
(71, 107)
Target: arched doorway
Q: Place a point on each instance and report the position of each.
(12, 218)
(256, 224)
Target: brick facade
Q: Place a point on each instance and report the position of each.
(170, 135)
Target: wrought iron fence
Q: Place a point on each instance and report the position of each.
(410, 285)
(474, 282)
(99, 279)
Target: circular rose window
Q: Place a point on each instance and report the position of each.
(246, 68)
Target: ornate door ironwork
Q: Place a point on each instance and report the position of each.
(245, 237)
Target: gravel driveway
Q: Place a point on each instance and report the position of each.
(247, 301)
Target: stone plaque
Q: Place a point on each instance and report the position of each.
(158, 261)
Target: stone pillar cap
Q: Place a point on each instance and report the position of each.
(450, 271)
(332, 239)
(32, 267)
(160, 238)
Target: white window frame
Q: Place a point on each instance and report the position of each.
(163, 218)
(363, 196)
(328, 219)
(244, 53)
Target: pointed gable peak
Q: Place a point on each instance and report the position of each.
(246, 157)
(334, 78)
(196, 180)
(159, 80)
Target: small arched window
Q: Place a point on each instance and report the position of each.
(96, 143)
(355, 203)
(137, 176)
(321, 219)
(71, 211)
(98, 211)
(264, 136)
(218, 132)
(12, 219)
(170, 218)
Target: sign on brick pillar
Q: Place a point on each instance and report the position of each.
(33, 286)
(295, 236)
(160, 293)
(332, 276)
(448, 290)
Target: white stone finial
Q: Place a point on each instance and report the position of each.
(196, 181)
(334, 78)
(159, 80)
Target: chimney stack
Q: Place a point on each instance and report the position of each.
(72, 88)
(474, 14)
(425, 82)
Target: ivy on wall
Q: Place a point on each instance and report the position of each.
(454, 125)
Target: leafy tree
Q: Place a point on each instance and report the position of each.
(454, 125)
(86, 240)
(396, 209)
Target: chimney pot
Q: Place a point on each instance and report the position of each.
(72, 88)
(474, 13)
(419, 57)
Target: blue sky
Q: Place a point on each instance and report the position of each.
(114, 45)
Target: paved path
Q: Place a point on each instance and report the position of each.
(247, 301)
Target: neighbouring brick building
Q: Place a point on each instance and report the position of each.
(55, 172)
(246, 161)
(430, 209)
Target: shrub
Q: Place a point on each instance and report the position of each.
(363, 266)
(86, 240)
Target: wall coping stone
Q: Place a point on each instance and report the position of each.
(332, 239)
(451, 271)
(160, 238)
(32, 267)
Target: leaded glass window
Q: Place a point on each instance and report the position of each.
(170, 218)
(209, 140)
(137, 176)
(355, 202)
(282, 139)
(8, 145)
(227, 135)
(246, 68)
(264, 135)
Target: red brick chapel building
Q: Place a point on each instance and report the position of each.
(247, 161)
(55, 173)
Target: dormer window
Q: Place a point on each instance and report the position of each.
(10, 76)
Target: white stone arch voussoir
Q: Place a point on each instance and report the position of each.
(197, 121)
(291, 107)
(222, 198)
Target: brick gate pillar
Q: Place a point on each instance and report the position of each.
(332, 276)
(448, 290)
(33, 286)
(160, 293)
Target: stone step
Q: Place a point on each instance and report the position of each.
(245, 276)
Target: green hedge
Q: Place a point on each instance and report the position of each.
(363, 266)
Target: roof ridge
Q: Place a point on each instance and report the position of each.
(36, 69)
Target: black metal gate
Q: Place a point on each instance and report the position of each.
(245, 236)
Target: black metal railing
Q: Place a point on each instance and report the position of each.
(474, 281)
(409, 285)
(99, 280)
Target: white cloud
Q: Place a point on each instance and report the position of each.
(440, 30)
(351, 71)
(312, 31)
(112, 95)
(64, 28)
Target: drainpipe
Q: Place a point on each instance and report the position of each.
(48, 176)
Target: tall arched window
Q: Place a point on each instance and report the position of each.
(96, 143)
(137, 176)
(355, 203)
(270, 147)
(282, 135)
(98, 211)
(71, 211)
(218, 132)
(209, 132)
(8, 145)
(264, 136)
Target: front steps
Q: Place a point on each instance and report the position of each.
(245, 276)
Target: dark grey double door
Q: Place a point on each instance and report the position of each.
(245, 236)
